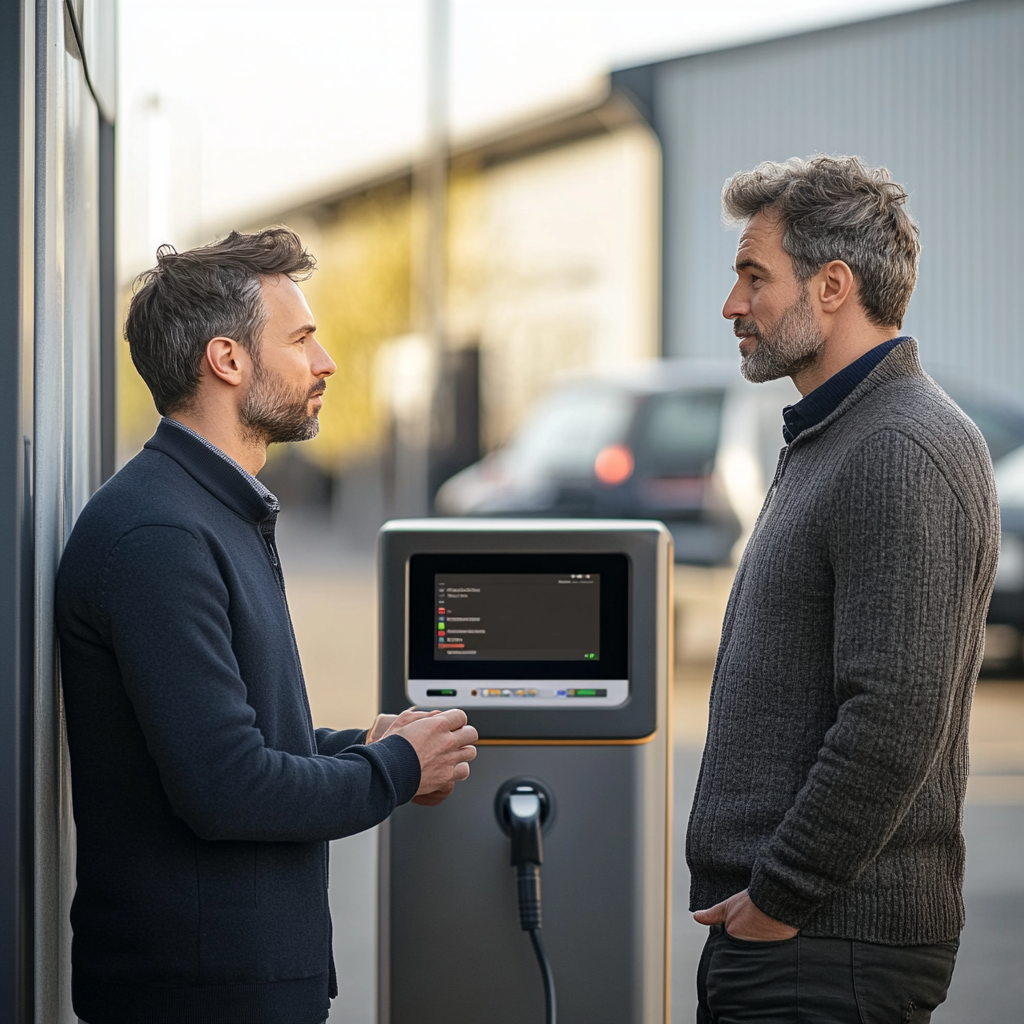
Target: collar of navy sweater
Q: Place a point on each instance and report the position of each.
(227, 481)
(819, 405)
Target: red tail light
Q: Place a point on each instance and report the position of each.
(614, 465)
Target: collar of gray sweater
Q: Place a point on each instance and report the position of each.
(902, 360)
(835, 766)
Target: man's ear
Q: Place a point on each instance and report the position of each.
(835, 284)
(227, 360)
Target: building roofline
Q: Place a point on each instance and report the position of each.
(602, 110)
(623, 72)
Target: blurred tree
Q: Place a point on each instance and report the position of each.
(360, 296)
(136, 415)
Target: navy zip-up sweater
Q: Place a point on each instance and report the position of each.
(203, 798)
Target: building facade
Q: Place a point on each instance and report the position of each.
(935, 95)
(57, 94)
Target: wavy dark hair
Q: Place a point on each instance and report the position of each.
(193, 296)
(837, 208)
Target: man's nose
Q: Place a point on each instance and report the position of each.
(322, 364)
(735, 306)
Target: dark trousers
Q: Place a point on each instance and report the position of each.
(819, 981)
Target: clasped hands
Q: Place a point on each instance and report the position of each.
(443, 741)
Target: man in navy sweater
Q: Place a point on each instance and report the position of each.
(203, 796)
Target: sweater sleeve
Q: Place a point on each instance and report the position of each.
(166, 610)
(334, 741)
(904, 554)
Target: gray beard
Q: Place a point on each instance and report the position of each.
(787, 347)
(271, 414)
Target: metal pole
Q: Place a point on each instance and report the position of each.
(437, 172)
(415, 432)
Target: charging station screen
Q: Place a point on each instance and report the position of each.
(501, 630)
(518, 616)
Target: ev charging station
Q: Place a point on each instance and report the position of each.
(542, 881)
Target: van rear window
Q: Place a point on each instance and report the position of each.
(678, 433)
(563, 436)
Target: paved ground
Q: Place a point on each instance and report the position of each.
(334, 608)
(988, 986)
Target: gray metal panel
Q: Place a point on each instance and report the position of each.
(66, 463)
(457, 954)
(937, 96)
(110, 336)
(16, 117)
(454, 952)
(49, 464)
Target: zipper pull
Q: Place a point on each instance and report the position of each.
(271, 550)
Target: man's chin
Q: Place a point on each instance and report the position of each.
(757, 372)
(306, 432)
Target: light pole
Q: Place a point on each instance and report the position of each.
(421, 354)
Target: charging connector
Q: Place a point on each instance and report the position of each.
(523, 807)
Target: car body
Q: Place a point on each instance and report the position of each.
(1005, 632)
(1000, 418)
(685, 441)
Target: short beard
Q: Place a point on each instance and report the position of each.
(786, 347)
(272, 414)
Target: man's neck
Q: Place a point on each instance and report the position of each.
(838, 352)
(251, 455)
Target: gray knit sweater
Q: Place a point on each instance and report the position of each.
(836, 761)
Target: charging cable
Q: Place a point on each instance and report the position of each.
(522, 813)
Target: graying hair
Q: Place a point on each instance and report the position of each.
(837, 208)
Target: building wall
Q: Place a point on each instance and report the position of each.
(937, 96)
(568, 240)
(57, 269)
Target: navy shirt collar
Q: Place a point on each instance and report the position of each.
(826, 398)
(261, 489)
(218, 473)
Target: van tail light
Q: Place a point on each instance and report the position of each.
(614, 465)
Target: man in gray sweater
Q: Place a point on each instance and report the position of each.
(825, 840)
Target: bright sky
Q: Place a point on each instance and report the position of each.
(259, 101)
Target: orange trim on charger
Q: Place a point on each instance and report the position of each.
(567, 743)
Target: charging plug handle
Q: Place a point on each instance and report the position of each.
(523, 814)
(523, 811)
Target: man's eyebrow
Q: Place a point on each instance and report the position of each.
(304, 329)
(749, 264)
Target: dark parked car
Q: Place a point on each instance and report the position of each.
(690, 443)
(1001, 421)
(1004, 647)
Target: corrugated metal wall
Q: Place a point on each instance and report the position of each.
(57, 285)
(937, 96)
